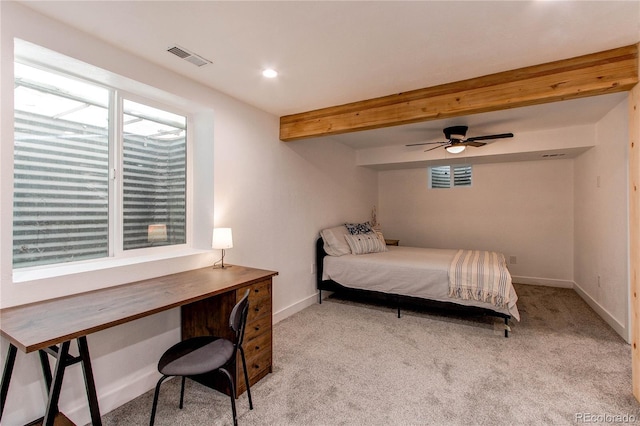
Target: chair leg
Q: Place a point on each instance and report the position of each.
(155, 399)
(232, 391)
(182, 391)
(246, 377)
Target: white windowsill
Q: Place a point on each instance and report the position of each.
(44, 283)
(42, 273)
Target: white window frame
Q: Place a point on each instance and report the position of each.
(119, 251)
(452, 169)
(117, 256)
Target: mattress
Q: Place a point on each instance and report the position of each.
(407, 271)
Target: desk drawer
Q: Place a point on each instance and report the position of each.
(257, 344)
(258, 363)
(259, 309)
(258, 366)
(259, 300)
(258, 291)
(257, 327)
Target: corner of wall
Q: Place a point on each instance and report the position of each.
(622, 329)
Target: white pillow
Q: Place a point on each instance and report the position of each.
(334, 242)
(365, 243)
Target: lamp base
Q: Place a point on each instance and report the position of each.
(221, 263)
(222, 266)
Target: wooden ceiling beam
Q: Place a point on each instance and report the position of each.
(610, 71)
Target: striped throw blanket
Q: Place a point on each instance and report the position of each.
(480, 275)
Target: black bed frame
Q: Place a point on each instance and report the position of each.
(397, 300)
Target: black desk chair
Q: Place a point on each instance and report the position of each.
(205, 354)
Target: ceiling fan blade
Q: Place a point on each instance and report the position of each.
(489, 137)
(473, 143)
(425, 143)
(431, 149)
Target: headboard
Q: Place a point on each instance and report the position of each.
(320, 254)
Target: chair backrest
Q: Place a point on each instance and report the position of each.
(238, 318)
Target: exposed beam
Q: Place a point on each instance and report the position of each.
(599, 73)
(634, 234)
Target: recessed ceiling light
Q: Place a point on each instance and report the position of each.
(270, 73)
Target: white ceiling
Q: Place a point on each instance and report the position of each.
(330, 53)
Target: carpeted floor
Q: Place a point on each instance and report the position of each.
(348, 363)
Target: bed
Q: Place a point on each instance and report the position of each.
(469, 280)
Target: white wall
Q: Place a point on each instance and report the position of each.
(601, 221)
(522, 209)
(276, 196)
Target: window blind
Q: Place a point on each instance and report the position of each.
(461, 175)
(440, 176)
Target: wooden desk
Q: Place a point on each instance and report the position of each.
(206, 297)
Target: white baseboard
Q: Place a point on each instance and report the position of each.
(547, 282)
(296, 307)
(619, 328)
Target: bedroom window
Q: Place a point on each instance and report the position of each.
(449, 176)
(95, 174)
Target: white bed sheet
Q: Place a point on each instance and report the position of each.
(409, 271)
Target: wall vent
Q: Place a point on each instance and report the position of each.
(188, 56)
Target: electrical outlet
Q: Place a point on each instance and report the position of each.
(598, 281)
(513, 260)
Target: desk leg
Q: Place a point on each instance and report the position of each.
(89, 383)
(54, 381)
(56, 385)
(6, 376)
(46, 368)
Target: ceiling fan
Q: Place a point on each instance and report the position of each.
(457, 141)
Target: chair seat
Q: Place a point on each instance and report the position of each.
(194, 356)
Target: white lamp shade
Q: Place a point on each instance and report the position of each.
(222, 238)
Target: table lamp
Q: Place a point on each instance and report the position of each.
(222, 240)
(157, 233)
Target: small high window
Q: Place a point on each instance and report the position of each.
(449, 176)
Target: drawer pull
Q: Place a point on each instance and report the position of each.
(257, 290)
(257, 309)
(257, 328)
(257, 348)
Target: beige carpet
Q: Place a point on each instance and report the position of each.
(346, 363)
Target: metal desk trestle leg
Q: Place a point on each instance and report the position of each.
(53, 380)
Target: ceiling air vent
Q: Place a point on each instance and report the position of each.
(188, 56)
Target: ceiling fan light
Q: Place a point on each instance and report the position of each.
(455, 149)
